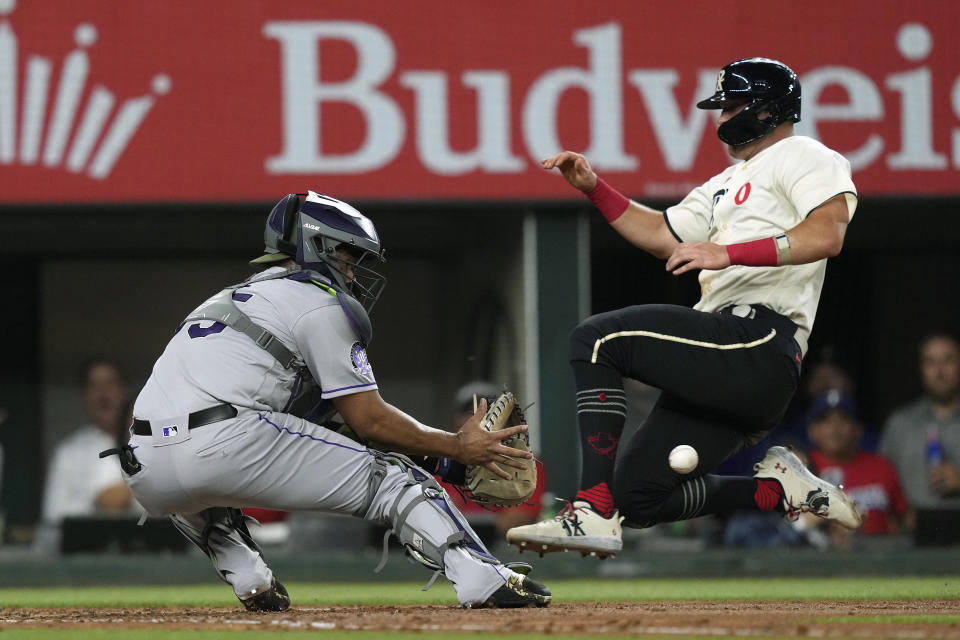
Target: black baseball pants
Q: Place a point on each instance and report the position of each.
(726, 381)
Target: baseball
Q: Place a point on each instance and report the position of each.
(683, 458)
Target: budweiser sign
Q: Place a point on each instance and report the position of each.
(114, 101)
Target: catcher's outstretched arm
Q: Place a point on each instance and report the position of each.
(374, 419)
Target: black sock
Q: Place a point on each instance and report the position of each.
(713, 494)
(601, 412)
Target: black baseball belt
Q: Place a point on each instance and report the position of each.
(784, 325)
(194, 420)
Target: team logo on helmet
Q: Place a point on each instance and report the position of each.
(720, 76)
(358, 358)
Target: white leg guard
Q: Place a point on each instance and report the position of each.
(432, 530)
(473, 581)
(222, 534)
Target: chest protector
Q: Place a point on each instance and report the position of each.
(305, 401)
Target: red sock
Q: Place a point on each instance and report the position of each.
(768, 495)
(599, 498)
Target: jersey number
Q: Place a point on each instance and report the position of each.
(196, 331)
(742, 194)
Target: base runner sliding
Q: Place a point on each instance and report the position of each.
(760, 232)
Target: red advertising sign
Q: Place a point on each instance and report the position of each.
(238, 100)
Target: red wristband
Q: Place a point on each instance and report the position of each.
(758, 253)
(608, 200)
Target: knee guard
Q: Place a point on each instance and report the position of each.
(421, 493)
(220, 523)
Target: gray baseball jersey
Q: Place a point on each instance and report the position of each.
(266, 456)
(206, 363)
(765, 196)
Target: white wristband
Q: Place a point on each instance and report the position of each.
(783, 250)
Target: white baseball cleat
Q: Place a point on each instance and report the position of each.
(577, 527)
(804, 492)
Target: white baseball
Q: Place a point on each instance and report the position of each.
(684, 458)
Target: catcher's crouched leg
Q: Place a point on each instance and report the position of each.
(222, 534)
(434, 533)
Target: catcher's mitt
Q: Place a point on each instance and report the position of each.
(485, 487)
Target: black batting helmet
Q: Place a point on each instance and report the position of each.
(766, 86)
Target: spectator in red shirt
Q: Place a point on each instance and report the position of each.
(481, 517)
(870, 479)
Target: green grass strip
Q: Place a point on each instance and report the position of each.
(610, 590)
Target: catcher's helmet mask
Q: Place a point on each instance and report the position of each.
(329, 236)
(769, 89)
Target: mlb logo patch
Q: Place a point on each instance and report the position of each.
(169, 432)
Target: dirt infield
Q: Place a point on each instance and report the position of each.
(768, 619)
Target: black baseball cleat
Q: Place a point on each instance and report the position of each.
(273, 599)
(518, 591)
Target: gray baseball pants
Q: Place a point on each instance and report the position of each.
(279, 461)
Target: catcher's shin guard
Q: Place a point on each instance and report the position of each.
(222, 534)
(423, 518)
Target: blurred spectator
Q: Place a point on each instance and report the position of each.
(481, 517)
(762, 530)
(268, 527)
(923, 438)
(824, 375)
(868, 478)
(78, 482)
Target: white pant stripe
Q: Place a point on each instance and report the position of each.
(669, 338)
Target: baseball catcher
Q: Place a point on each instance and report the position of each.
(232, 416)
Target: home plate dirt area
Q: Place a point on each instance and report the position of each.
(765, 619)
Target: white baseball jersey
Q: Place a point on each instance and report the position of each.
(765, 196)
(207, 363)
